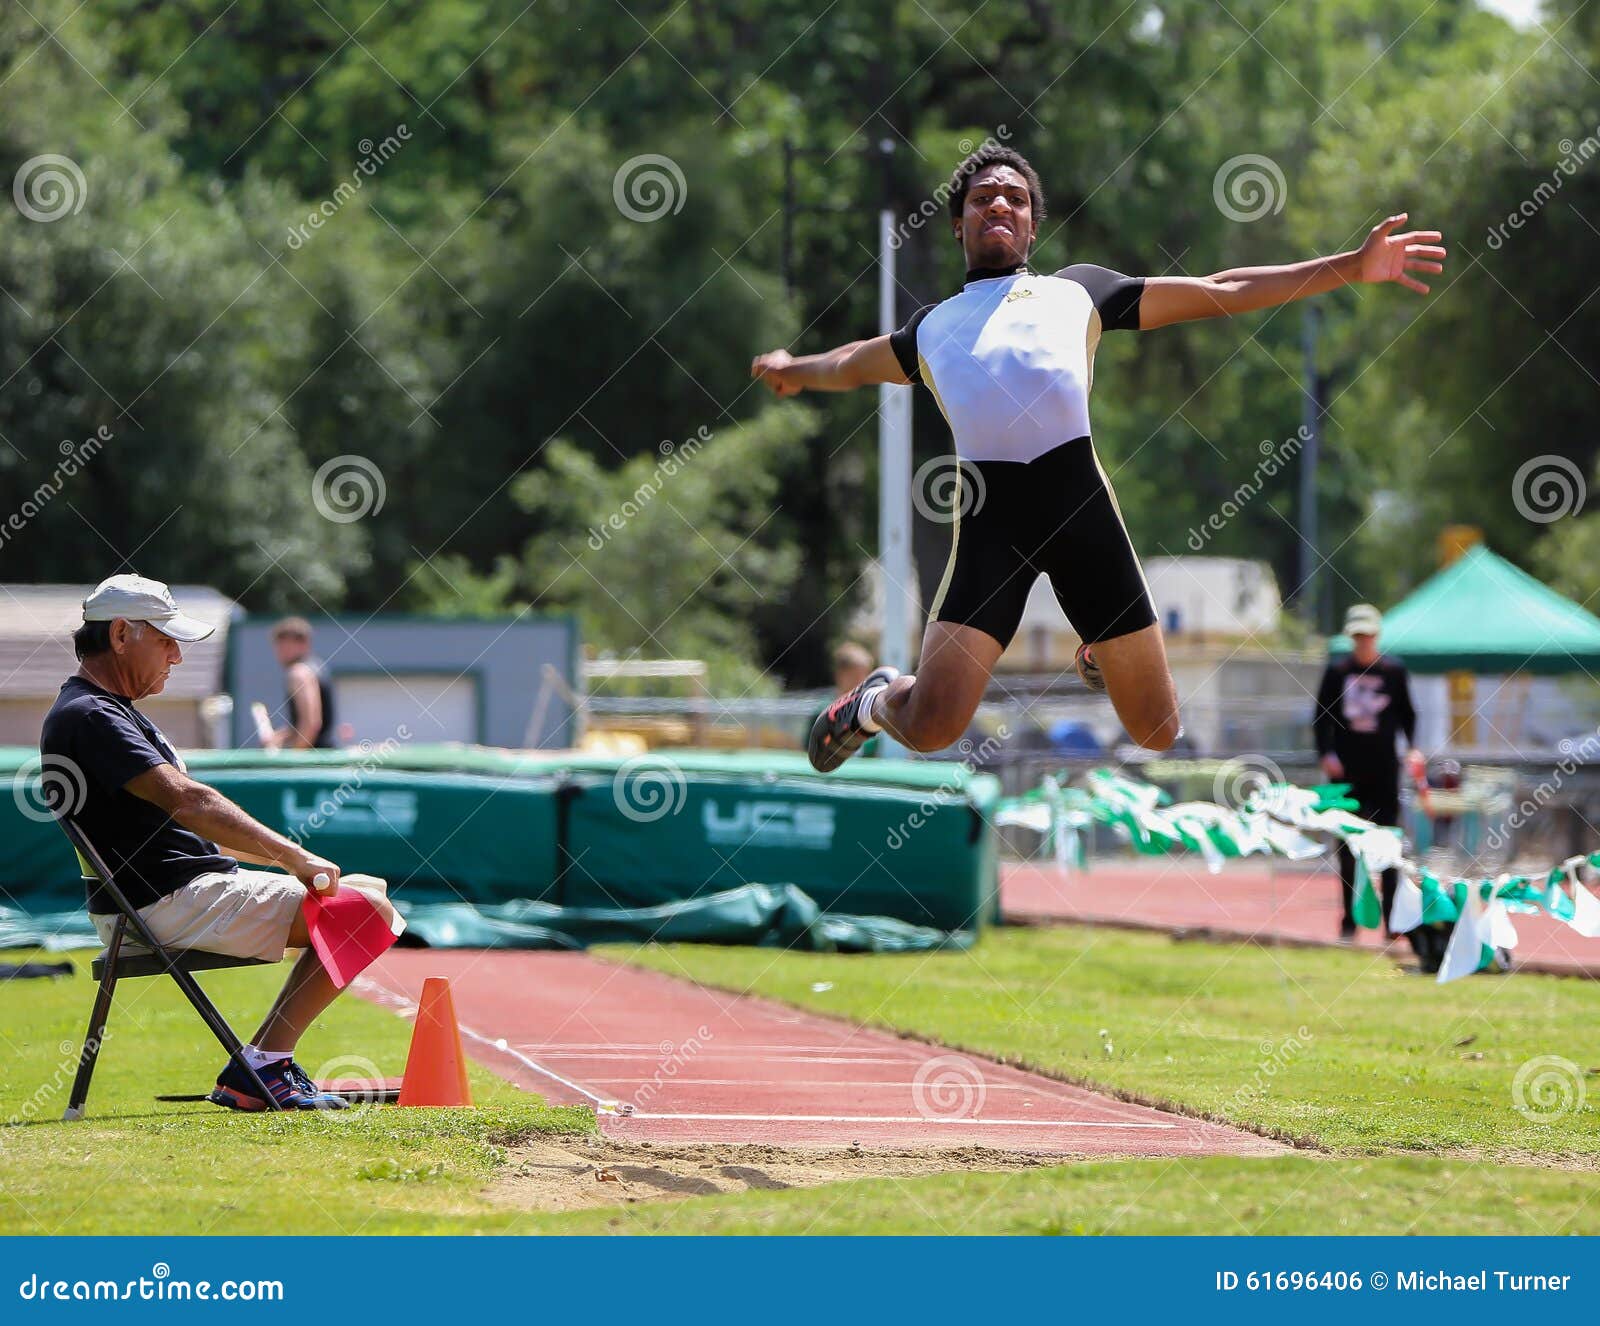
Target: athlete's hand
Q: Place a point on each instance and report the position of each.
(1389, 257)
(773, 369)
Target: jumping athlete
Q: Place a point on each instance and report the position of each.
(1010, 361)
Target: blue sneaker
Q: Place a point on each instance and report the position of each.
(290, 1088)
(308, 1084)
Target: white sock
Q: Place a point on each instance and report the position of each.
(870, 714)
(259, 1059)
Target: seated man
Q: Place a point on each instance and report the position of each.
(174, 845)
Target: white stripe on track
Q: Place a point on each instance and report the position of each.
(608, 1105)
(899, 1118)
(399, 1002)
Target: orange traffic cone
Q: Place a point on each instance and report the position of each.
(436, 1069)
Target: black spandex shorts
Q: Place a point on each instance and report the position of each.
(1054, 514)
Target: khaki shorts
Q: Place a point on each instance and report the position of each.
(242, 913)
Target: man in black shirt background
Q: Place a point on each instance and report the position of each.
(174, 845)
(1363, 705)
(309, 696)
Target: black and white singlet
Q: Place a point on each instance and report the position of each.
(1010, 361)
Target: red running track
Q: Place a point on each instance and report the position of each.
(1247, 900)
(664, 1059)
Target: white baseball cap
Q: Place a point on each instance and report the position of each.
(139, 600)
(1363, 619)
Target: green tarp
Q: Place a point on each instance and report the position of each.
(490, 839)
(527, 848)
(447, 757)
(923, 857)
(759, 914)
(1482, 614)
(493, 838)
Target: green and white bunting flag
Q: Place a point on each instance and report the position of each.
(1294, 822)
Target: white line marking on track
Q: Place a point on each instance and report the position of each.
(902, 1084)
(903, 1118)
(394, 999)
(871, 1054)
(653, 1058)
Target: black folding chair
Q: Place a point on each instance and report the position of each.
(113, 966)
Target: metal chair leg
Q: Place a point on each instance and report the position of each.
(186, 982)
(97, 1026)
(220, 1029)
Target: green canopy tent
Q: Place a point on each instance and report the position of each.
(1482, 614)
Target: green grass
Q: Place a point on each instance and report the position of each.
(137, 1166)
(1329, 1047)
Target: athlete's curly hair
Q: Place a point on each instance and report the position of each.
(992, 154)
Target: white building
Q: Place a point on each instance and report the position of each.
(1198, 599)
(1239, 688)
(36, 626)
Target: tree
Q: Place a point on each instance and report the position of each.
(669, 554)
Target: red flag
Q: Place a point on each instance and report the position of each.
(348, 932)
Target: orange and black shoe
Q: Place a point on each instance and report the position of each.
(1088, 670)
(837, 734)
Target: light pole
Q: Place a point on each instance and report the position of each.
(1311, 424)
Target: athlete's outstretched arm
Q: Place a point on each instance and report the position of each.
(859, 364)
(1384, 256)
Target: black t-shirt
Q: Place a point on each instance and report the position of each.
(97, 742)
(1360, 711)
(319, 670)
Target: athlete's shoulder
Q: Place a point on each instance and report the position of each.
(1084, 272)
(903, 341)
(1116, 297)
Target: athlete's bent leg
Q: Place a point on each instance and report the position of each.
(1139, 683)
(930, 710)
